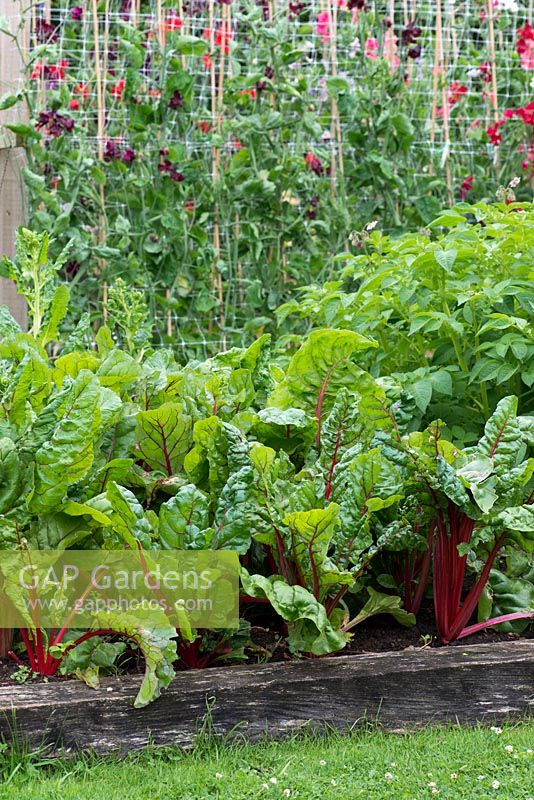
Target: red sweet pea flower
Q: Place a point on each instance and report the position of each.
(38, 71)
(466, 186)
(526, 113)
(83, 90)
(493, 133)
(456, 92)
(174, 23)
(74, 105)
(118, 90)
(57, 71)
(204, 126)
(485, 72)
(207, 60)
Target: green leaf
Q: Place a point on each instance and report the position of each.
(164, 435)
(518, 522)
(502, 440)
(22, 129)
(379, 603)
(309, 629)
(184, 520)
(127, 517)
(69, 455)
(190, 45)
(11, 474)
(118, 369)
(8, 101)
(56, 314)
(233, 530)
(323, 365)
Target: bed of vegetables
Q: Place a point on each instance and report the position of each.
(374, 458)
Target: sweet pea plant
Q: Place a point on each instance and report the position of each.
(210, 155)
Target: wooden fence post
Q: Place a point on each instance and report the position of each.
(12, 200)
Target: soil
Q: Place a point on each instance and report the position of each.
(379, 635)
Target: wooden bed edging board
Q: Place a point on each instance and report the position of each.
(400, 690)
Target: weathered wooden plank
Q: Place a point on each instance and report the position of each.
(402, 690)
(12, 207)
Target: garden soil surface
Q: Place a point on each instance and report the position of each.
(379, 635)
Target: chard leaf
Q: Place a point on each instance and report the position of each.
(69, 455)
(157, 645)
(379, 603)
(164, 437)
(519, 523)
(10, 475)
(184, 520)
(309, 629)
(502, 440)
(320, 368)
(118, 369)
(234, 512)
(127, 517)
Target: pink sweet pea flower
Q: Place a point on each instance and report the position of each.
(322, 28)
(371, 48)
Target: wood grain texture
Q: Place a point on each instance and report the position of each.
(12, 201)
(479, 683)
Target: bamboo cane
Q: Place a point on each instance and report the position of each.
(333, 55)
(493, 62)
(454, 38)
(101, 123)
(181, 15)
(444, 98)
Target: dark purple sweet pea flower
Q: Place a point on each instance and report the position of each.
(128, 157)
(410, 33)
(176, 100)
(415, 52)
(76, 13)
(112, 151)
(54, 124)
(269, 73)
(45, 32)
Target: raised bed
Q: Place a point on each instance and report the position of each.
(402, 690)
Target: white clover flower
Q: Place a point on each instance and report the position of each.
(432, 785)
(388, 776)
(454, 775)
(480, 777)
(495, 729)
(495, 784)
(273, 780)
(435, 790)
(286, 792)
(265, 786)
(333, 782)
(529, 751)
(509, 748)
(322, 762)
(219, 775)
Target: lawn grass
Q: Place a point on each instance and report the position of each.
(447, 763)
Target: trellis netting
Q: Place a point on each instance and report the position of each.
(217, 154)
